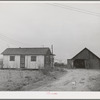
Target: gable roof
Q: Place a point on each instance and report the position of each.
(26, 51)
(87, 50)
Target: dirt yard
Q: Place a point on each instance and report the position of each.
(57, 80)
(14, 80)
(74, 80)
(24, 80)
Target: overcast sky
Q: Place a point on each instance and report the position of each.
(68, 26)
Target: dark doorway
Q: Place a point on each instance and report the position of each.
(79, 63)
(22, 61)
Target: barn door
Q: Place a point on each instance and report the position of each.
(22, 61)
(79, 63)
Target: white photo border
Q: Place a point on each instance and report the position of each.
(49, 94)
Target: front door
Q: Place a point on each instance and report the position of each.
(22, 61)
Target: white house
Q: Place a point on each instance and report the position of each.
(29, 58)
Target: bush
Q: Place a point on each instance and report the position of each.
(46, 70)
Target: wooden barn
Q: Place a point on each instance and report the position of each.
(29, 58)
(84, 59)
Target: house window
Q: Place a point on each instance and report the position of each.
(12, 58)
(33, 58)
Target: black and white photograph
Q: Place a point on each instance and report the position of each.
(50, 46)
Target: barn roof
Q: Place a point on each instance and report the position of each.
(29, 51)
(87, 50)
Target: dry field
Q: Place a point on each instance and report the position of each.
(20, 80)
(56, 80)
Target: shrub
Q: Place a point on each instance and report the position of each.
(46, 70)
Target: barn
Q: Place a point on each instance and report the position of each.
(29, 58)
(84, 59)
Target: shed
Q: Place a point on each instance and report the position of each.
(84, 59)
(29, 58)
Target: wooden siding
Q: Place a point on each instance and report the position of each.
(11, 64)
(69, 63)
(48, 59)
(83, 55)
(28, 63)
(94, 63)
(34, 64)
(91, 61)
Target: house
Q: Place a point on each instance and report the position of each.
(84, 59)
(30, 58)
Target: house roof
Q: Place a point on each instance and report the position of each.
(87, 50)
(29, 51)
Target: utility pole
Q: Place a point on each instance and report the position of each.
(52, 59)
(52, 49)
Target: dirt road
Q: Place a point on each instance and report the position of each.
(74, 80)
